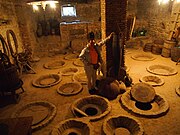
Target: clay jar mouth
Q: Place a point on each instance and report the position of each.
(55, 64)
(162, 70)
(73, 126)
(94, 107)
(152, 80)
(72, 133)
(46, 80)
(143, 106)
(69, 71)
(122, 125)
(91, 111)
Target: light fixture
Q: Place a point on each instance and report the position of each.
(42, 3)
(35, 7)
(163, 1)
(177, 1)
(166, 1)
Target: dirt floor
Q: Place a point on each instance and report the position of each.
(165, 125)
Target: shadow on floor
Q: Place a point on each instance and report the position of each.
(8, 100)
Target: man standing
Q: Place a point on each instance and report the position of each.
(91, 57)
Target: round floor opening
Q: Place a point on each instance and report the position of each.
(91, 111)
(72, 133)
(121, 131)
(143, 106)
(73, 126)
(122, 125)
(94, 107)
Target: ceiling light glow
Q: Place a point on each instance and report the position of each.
(35, 7)
(43, 3)
(163, 1)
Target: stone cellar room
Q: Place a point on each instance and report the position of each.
(90, 67)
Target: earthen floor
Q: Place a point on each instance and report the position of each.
(165, 125)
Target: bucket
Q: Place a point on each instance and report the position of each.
(166, 51)
(159, 41)
(175, 53)
(169, 44)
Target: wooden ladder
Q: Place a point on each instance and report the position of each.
(174, 23)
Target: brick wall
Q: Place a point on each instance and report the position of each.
(113, 17)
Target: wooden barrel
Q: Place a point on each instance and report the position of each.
(156, 49)
(148, 47)
(159, 41)
(169, 44)
(166, 51)
(175, 53)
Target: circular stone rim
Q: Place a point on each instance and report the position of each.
(76, 120)
(46, 121)
(70, 94)
(82, 82)
(154, 85)
(177, 90)
(76, 63)
(67, 69)
(141, 129)
(144, 113)
(45, 86)
(56, 67)
(92, 118)
(164, 74)
(66, 57)
(137, 57)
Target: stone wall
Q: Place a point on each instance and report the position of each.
(113, 14)
(85, 11)
(155, 18)
(7, 12)
(89, 12)
(22, 19)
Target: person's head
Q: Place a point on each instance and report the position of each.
(91, 35)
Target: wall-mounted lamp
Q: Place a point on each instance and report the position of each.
(163, 1)
(167, 1)
(42, 3)
(178, 1)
